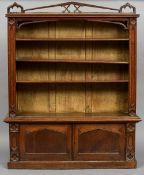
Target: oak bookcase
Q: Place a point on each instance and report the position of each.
(72, 87)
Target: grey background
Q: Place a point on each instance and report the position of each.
(4, 139)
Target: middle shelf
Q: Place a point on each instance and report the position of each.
(117, 51)
(63, 72)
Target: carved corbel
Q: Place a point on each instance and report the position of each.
(133, 23)
(12, 111)
(132, 110)
(14, 128)
(11, 21)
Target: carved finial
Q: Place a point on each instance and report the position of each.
(15, 5)
(125, 6)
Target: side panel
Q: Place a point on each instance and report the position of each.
(132, 66)
(12, 66)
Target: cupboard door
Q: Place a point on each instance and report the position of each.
(103, 142)
(45, 142)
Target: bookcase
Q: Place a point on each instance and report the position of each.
(72, 87)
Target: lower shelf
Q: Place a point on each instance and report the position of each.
(71, 164)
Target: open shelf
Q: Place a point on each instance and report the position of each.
(71, 39)
(70, 98)
(71, 73)
(63, 82)
(73, 30)
(70, 61)
(101, 51)
(97, 83)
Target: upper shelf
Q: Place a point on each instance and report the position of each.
(72, 39)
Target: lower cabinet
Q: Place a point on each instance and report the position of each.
(100, 142)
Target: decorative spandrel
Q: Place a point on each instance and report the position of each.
(12, 110)
(132, 109)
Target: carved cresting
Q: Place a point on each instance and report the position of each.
(67, 7)
(14, 142)
(130, 147)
